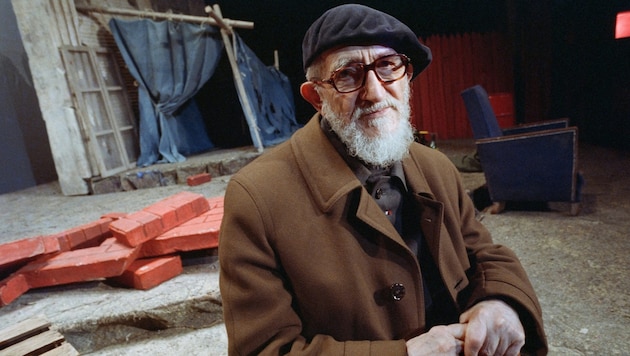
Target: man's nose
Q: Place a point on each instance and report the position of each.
(373, 90)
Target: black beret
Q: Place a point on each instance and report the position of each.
(357, 25)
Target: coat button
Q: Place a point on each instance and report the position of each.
(397, 291)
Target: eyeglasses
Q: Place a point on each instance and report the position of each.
(351, 77)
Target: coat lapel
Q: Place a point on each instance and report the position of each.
(330, 179)
(436, 235)
(325, 172)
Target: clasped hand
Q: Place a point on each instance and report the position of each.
(489, 328)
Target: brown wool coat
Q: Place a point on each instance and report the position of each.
(306, 255)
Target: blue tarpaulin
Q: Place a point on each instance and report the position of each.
(171, 61)
(270, 95)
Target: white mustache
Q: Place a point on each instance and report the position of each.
(360, 111)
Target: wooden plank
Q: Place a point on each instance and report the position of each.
(64, 349)
(37, 344)
(22, 330)
(250, 117)
(164, 16)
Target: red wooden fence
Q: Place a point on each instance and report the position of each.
(459, 61)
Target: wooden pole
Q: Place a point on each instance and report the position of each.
(276, 59)
(215, 12)
(166, 16)
(216, 16)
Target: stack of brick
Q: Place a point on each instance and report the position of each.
(138, 250)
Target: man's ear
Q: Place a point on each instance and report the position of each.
(310, 94)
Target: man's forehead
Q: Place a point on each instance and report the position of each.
(340, 56)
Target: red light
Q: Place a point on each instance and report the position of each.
(622, 27)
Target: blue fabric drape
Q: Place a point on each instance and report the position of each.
(270, 95)
(170, 61)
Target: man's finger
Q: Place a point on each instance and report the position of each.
(514, 349)
(457, 330)
(475, 334)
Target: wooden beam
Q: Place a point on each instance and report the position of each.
(34, 337)
(216, 15)
(245, 103)
(276, 59)
(165, 16)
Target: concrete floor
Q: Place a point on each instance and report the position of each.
(578, 265)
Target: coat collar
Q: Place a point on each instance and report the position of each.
(330, 179)
(327, 174)
(414, 176)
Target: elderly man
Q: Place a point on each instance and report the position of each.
(352, 239)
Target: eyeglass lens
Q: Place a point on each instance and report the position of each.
(352, 76)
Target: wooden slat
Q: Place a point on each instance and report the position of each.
(22, 330)
(64, 349)
(35, 345)
(34, 337)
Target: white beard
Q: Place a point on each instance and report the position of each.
(388, 146)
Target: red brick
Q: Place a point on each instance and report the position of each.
(147, 273)
(15, 252)
(12, 287)
(199, 233)
(64, 245)
(51, 243)
(184, 196)
(186, 206)
(166, 213)
(88, 235)
(97, 231)
(151, 223)
(113, 216)
(105, 231)
(197, 202)
(198, 179)
(108, 260)
(200, 206)
(110, 242)
(217, 212)
(75, 237)
(184, 213)
(215, 202)
(127, 231)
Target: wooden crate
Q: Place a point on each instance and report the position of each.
(33, 337)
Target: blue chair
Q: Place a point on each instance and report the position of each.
(528, 163)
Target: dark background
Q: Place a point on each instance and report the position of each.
(564, 52)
